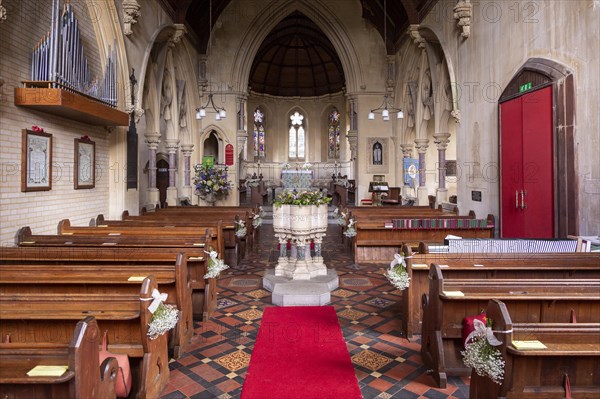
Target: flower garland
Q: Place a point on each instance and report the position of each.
(294, 197)
(215, 266)
(481, 353)
(397, 274)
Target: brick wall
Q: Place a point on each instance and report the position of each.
(27, 21)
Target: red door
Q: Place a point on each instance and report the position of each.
(527, 178)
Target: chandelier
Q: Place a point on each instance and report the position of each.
(385, 109)
(210, 107)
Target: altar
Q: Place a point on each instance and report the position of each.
(300, 179)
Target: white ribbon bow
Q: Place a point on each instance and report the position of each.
(213, 255)
(483, 331)
(350, 223)
(398, 260)
(157, 298)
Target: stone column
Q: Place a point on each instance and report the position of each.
(187, 189)
(407, 149)
(152, 139)
(172, 147)
(422, 196)
(442, 140)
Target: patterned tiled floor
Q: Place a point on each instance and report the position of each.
(386, 365)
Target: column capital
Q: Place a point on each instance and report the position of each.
(152, 139)
(172, 145)
(187, 149)
(463, 10)
(406, 150)
(422, 145)
(413, 31)
(131, 13)
(441, 140)
(179, 31)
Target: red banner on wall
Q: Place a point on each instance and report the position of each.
(229, 154)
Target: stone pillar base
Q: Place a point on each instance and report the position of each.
(442, 195)
(172, 196)
(153, 196)
(423, 196)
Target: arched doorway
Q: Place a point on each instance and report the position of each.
(538, 184)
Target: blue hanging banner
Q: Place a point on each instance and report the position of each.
(411, 172)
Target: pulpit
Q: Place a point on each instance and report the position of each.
(298, 179)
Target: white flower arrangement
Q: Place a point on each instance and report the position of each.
(215, 266)
(397, 274)
(306, 166)
(163, 319)
(481, 353)
(256, 220)
(285, 165)
(340, 217)
(350, 231)
(240, 230)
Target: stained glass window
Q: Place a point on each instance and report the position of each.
(333, 151)
(297, 137)
(259, 134)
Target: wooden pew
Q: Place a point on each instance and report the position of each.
(573, 352)
(52, 317)
(203, 216)
(374, 243)
(55, 248)
(541, 300)
(85, 378)
(91, 276)
(488, 266)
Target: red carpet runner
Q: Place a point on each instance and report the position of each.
(300, 354)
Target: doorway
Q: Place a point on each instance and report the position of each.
(162, 181)
(527, 178)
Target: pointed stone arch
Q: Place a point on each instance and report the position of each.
(322, 16)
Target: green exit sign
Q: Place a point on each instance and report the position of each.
(525, 87)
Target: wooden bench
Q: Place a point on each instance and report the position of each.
(51, 317)
(375, 243)
(504, 245)
(84, 378)
(128, 249)
(191, 216)
(541, 300)
(573, 352)
(114, 276)
(488, 266)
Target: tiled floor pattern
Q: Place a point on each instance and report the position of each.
(386, 365)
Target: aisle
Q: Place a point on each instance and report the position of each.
(387, 366)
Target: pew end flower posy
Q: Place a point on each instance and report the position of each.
(397, 273)
(481, 352)
(164, 315)
(215, 265)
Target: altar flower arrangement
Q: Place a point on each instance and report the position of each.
(481, 353)
(164, 316)
(294, 197)
(350, 230)
(397, 274)
(240, 228)
(215, 265)
(306, 166)
(211, 180)
(285, 166)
